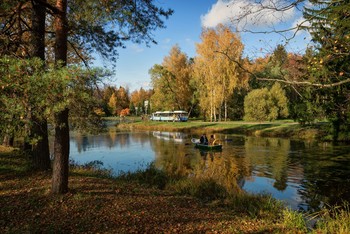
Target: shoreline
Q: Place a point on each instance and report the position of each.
(282, 129)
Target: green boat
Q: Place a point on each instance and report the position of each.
(208, 147)
(198, 145)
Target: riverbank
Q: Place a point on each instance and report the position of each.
(143, 202)
(285, 128)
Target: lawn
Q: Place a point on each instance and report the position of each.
(282, 128)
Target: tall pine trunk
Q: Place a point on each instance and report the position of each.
(61, 143)
(39, 130)
(61, 153)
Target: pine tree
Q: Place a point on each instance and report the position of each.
(330, 30)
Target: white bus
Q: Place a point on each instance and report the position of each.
(170, 116)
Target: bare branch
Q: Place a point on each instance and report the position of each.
(307, 83)
(304, 83)
(79, 55)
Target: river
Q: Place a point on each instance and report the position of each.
(304, 175)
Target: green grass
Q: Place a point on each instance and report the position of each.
(11, 161)
(151, 176)
(293, 219)
(282, 128)
(333, 219)
(91, 169)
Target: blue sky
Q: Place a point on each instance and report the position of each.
(184, 28)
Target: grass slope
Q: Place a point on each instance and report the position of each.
(285, 128)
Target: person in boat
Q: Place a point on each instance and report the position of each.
(203, 140)
(212, 140)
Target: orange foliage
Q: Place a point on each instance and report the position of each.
(259, 64)
(124, 112)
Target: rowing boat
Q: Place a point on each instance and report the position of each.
(204, 146)
(208, 147)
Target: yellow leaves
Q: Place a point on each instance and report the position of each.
(215, 64)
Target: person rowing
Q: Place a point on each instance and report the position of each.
(203, 140)
(212, 140)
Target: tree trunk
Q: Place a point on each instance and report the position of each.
(225, 104)
(211, 105)
(214, 104)
(38, 30)
(61, 144)
(40, 151)
(61, 32)
(61, 153)
(8, 140)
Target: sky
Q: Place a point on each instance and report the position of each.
(184, 28)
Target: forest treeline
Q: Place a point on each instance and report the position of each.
(220, 84)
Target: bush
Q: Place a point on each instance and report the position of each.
(203, 189)
(266, 105)
(151, 176)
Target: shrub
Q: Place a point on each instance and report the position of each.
(151, 176)
(266, 105)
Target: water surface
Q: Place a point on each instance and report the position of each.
(305, 175)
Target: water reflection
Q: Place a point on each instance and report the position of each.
(118, 151)
(305, 175)
(185, 160)
(175, 136)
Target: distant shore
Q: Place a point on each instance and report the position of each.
(283, 128)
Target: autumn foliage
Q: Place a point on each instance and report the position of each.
(125, 112)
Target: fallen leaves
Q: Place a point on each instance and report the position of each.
(95, 205)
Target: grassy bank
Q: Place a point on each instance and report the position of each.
(142, 202)
(285, 128)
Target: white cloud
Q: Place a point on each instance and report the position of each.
(219, 13)
(300, 22)
(247, 14)
(302, 34)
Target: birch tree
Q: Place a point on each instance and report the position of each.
(179, 65)
(171, 81)
(215, 74)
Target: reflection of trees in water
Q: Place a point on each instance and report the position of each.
(172, 158)
(270, 157)
(221, 168)
(110, 139)
(326, 178)
(185, 160)
(323, 186)
(81, 142)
